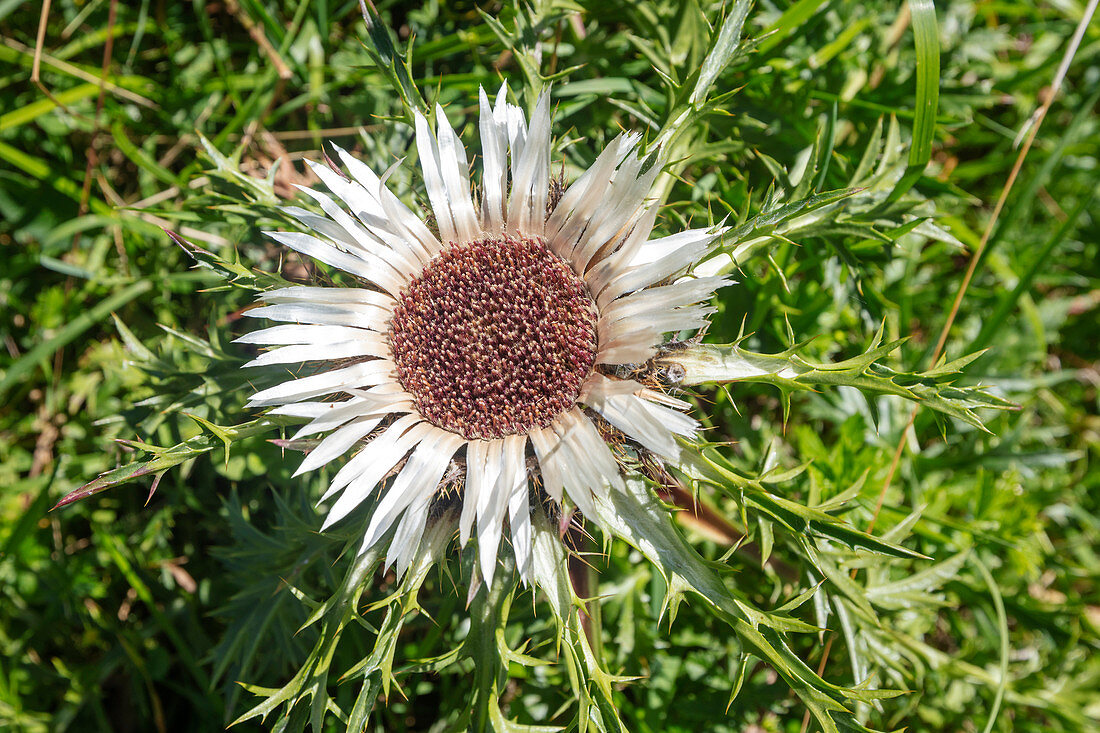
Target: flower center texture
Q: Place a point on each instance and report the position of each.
(494, 337)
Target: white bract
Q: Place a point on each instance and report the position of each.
(488, 350)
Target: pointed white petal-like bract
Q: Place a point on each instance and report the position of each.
(615, 219)
(633, 340)
(519, 519)
(548, 451)
(494, 176)
(337, 443)
(371, 344)
(490, 520)
(489, 504)
(511, 118)
(365, 374)
(581, 200)
(447, 179)
(416, 481)
(428, 149)
(361, 264)
(480, 478)
(654, 249)
(588, 464)
(368, 467)
(519, 511)
(354, 196)
(324, 416)
(676, 255)
(406, 538)
(321, 224)
(646, 304)
(296, 334)
(617, 262)
(327, 296)
(425, 243)
(456, 179)
(361, 315)
(655, 427)
(354, 236)
(531, 175)
(389, 218)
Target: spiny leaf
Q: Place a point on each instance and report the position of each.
(636, 517)
(701, 463)
(233, 271)
(711, 364)
(393, 64)
(167, 457)
(591, 682)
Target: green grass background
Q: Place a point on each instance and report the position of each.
(126, 612)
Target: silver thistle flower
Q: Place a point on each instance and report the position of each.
(491, 342)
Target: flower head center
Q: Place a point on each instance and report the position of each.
(494, 337)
